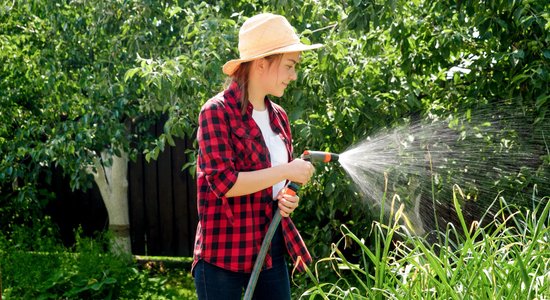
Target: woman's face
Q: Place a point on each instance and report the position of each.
(281, 73)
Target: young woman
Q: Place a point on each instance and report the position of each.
(244, 160)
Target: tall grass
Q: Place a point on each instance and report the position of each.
(507, 259)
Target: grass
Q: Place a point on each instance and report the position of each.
(174, 272)
(508, 259)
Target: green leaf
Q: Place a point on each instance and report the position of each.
(130, 73)
(541, 101)
(520, 78)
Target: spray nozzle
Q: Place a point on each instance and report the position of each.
(311, 156)
(315, 156)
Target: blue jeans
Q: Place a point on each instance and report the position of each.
(212, 282)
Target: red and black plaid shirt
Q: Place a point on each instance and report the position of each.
(231, 229)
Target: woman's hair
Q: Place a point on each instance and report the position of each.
(241, 77)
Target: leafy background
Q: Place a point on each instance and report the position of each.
(84, 76)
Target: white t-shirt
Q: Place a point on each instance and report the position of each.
(275, 145)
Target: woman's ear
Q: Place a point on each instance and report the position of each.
(260, 65)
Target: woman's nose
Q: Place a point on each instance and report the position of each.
(293, 74)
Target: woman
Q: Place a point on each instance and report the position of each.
(244, 160)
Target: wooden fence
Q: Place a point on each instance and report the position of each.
(163, 210)
(162, 204)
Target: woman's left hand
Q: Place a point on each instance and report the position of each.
(287, 203)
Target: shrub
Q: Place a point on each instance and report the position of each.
(35, 265)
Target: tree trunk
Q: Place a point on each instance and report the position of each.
(111, 178)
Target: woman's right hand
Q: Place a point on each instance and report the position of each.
(300, 171)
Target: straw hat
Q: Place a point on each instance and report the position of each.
(263, 35)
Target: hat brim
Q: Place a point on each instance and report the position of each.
(231, 66)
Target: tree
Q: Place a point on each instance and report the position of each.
(64, 99)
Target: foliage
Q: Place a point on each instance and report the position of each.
(63, 97)
(508, 259)
(411, 60)
(22, 207)
(80, 77)
(36, 266)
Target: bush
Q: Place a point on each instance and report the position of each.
(35, 265)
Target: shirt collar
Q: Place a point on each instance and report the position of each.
(233, 95)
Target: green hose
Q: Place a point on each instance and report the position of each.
(291, 189)
(261, 256)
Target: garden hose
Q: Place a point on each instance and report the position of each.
(291, 189)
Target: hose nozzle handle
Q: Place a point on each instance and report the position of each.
(291, 189)
(311, 156)
(315, 156)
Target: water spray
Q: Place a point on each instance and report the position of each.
(485, 153)
(291, 189)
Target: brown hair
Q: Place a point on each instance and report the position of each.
(241, 77)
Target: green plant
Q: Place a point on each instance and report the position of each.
(509, 259)
(36, 266)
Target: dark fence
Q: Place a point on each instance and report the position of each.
(162, 205)
(70, 209)
(163, 210)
